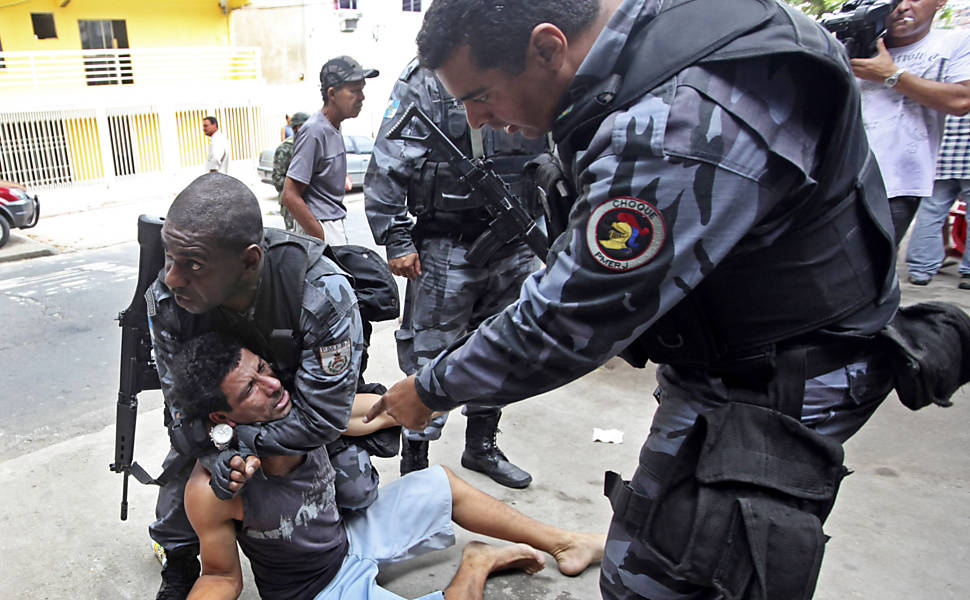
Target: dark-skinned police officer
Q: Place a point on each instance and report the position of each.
(276, 292)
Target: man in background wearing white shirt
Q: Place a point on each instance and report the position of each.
(218, 158)
(917, 77)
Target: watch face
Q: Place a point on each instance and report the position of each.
(221, 434)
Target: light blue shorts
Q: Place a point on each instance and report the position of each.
(411, 516)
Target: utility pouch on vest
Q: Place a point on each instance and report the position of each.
(743, 506)
(547, 191)
(421, 189)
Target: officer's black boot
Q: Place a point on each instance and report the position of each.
(414, 455)
(179, 574)
(482, 453)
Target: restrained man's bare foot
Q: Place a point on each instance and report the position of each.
(580, 551)
(522, 557)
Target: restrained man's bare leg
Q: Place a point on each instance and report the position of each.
(478, 512)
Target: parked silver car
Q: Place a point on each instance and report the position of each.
(359, 149)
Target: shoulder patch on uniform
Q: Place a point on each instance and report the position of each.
(410, 69)
(335, 358)
(624, 233)
(392, 105)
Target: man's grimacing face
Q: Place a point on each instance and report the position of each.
(524, 102)
(254, 393)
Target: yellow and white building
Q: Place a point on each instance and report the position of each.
(92, 90)
(96, 90)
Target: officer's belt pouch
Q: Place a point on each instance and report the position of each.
(421, 189)
(743, 508)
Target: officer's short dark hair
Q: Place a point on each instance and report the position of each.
(198, 370)
(220, 208)
(496, 31)
(211, 120)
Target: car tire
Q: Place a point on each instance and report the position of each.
(4, 231)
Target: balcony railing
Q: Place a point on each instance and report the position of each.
(73, 69)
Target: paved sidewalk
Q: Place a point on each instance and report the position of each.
(99, 215)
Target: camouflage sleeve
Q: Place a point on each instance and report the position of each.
(281, 162)
(164, 338)
(390, 168)
(667, 188)
(168, 333)
(327, 378)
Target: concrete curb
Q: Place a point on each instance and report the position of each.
(20, 247)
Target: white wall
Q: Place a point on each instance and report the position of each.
(383, 40)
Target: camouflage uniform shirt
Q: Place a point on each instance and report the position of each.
(705, 162)
(281, 162)
(326, 380)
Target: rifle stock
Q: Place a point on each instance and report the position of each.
(138, 371)
(509, 219)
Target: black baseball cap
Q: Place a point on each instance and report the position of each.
(341, 70)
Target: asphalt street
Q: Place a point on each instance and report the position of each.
(899, 529)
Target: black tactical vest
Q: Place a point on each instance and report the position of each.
(442, 203)
(840, 260)
(273, 331)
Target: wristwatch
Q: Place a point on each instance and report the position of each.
(221, 435)
(894, 78)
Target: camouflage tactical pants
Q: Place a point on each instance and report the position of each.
(836, 404)
(451, 298)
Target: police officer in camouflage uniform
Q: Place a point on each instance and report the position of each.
(447, 294)
(730, 225)
(281, 162)
(273, 291)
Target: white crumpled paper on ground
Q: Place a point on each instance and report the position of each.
(608, 436)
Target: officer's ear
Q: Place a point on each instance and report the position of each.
(252, 256)
(547, 47)
(220, 417)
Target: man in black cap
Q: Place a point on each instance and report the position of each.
(313, 191)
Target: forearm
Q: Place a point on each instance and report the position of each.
(945, 96)
(357, 426)
(949, 98)
(301, 213)
(216, 587)
(293, 201)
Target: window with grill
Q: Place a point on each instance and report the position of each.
(345, 4)
(411, 5)
(112, 67)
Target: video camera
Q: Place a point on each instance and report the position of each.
(859, 23)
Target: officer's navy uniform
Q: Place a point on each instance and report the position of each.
(453, 295)
(713, 234)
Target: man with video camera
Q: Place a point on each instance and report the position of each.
(917, 76)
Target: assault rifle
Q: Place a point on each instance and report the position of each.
(138, 371)
(510, 220)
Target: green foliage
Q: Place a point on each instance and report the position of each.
(817, 8)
